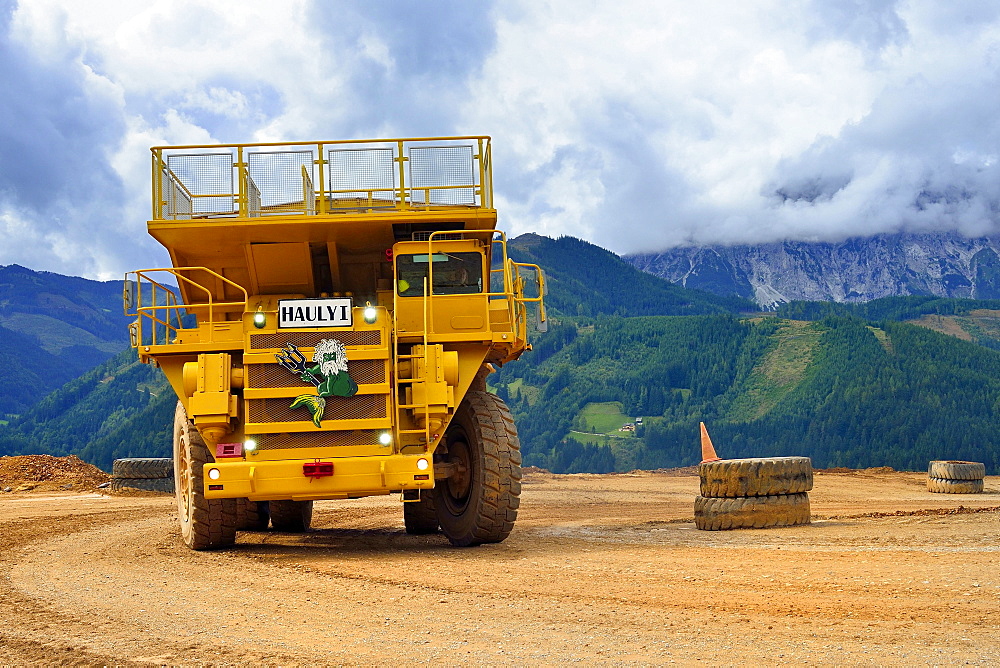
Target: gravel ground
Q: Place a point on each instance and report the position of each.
(600, 569)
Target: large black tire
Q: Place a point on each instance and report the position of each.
(291, 516)
(145, 484)
(206, 524)
(252, 515)
(942, 486)
(143, 467)
(768, 476)
(420, 517)
(755, 512)
(956, 470)
(478, 503)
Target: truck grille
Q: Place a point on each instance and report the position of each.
(323, 439)
(277, 340)
(363, 372)
(358, 407)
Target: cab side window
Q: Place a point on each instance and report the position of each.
(453, 273)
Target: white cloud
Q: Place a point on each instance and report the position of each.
(636, 125)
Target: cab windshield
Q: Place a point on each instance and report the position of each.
(453, 273)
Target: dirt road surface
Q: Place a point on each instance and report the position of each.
(600, 569)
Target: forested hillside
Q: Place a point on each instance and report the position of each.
(587, 280)
(122, 408)
(52, 329)
(842, 391)
(848, 385)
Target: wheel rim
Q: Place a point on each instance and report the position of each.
(184, 501)
(459, 484)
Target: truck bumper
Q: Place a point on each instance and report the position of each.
(352, 477)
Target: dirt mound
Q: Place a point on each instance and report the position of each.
(46, 473)
(873, 470)
(678, 472)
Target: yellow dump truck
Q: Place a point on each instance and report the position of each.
(328, 324)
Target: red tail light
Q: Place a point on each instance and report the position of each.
(317, 469)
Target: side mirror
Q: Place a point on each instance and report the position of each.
(541, 322)
(129, 295)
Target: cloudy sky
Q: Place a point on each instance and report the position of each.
(635, 125)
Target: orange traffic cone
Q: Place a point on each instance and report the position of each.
(707, 449)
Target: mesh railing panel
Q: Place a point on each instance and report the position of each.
(279, 175)
(363, 372)
(209, 179)
(310, 339)
(308, 190)
(442, 175)
(176, 202)
(358, 407)
(253, 198)
(367, 175)
(487, 189)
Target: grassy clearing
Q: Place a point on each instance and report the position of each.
(780, 371)
(979, 325)
(883, 338)
(602, 418)
(530, 393)
(946, 324)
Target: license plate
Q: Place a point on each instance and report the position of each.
(314, 313)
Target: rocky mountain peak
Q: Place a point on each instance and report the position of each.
(853, 270)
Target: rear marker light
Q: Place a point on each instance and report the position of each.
(214, 488)
(317, 469)
(424, 476)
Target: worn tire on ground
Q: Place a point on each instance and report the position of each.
(768, 476)
(478, 504)
(291, 516)
(205, 523)
(252, 515)
(143, 467)
(420, 517)
(754, 512)
(947, 470)
(942, 486)
(145, 484)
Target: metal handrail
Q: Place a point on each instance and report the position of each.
(404, 193)
(172, 320)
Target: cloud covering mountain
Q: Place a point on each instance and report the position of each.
(635, 125)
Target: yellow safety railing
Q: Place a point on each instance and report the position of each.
(325, 177)
(159, 313)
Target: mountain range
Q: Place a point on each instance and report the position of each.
(854, 270)
(848, 384)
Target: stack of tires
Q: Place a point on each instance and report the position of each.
(946, 477)
(152, 474)
(753, 493)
